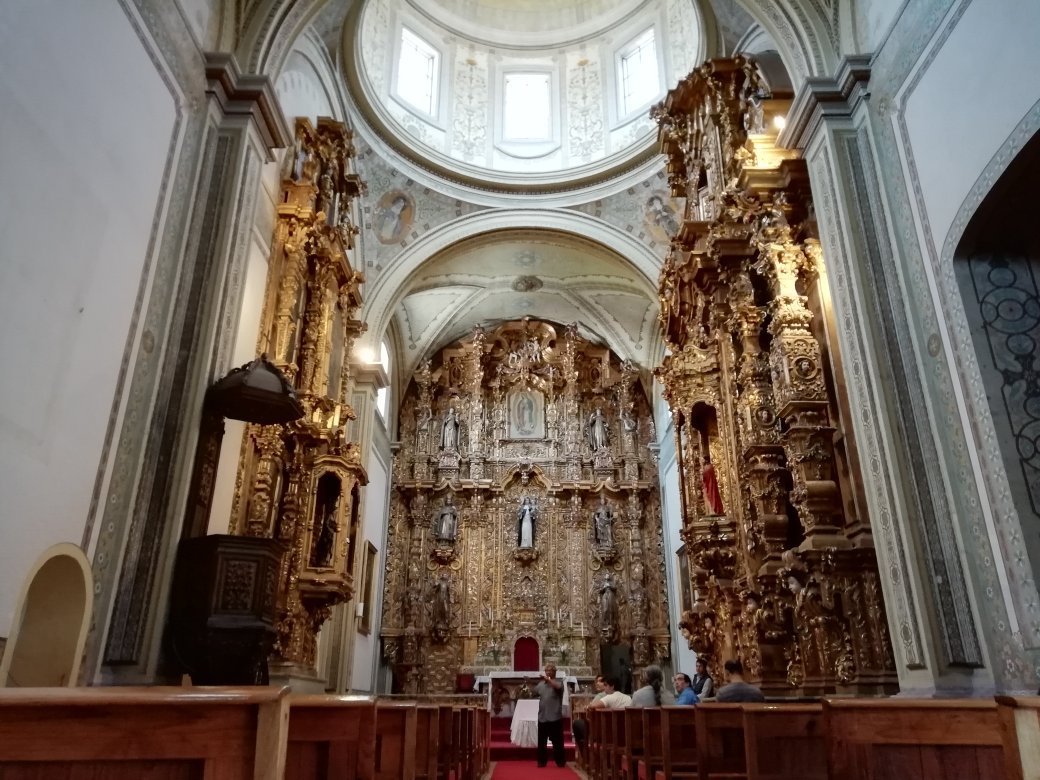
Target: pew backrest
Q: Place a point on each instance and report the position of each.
(396, 726)
(785, 742)
(331, 736)
(720, 741)
(933, 739)
(1020, 729)
(222, 733)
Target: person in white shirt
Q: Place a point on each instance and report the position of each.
(612, 699)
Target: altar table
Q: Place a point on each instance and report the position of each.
(524, 729)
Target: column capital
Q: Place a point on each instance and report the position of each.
(369, 374)
(249, 96)
(824, 98)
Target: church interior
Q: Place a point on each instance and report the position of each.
(394, 350)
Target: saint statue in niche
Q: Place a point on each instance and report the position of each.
(603, 523)
(441, 606)
(596, 431)
(710, 484)
(525, 517)
(608, 608)
(450, 430)
(447, 521)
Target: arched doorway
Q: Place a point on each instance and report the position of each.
(526, 654)
(51, 623)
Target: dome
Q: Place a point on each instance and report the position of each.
(519, 95)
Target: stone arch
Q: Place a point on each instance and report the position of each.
(805, 37)
(990, 272)
(385, 293)
(51, 621)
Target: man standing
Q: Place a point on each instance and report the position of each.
(684, 690)
(550, 717)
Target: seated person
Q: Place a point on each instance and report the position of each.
(703, 685)
(684, 690)
(736, 690)
(580, 726)
(613, 699)
(652, 694)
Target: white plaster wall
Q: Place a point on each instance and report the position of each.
(244, 351)
(203, 18)
(873, 19)
(301, 90)
(86, 124)
(376, 497)
(671, 511)
(980, 84)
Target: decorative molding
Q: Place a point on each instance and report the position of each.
(821, 99)
(247, 96)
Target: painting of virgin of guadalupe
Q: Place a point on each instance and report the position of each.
(526, 414)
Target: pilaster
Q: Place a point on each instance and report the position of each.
(243, 129)
(927, 594)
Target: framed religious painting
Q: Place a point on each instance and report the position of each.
(526, 414)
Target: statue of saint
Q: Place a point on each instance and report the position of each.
(447, 520)
(712, 494)
(525, 517)
(450, 430)
(603, 523)
(441, 606)
(596, 431)
(608, 608)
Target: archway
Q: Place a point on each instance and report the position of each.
(997, 265)
(51, 622)
(526, 655)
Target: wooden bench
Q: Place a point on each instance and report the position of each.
(680, 742)
(652, 759)
(1020, 728)
(158, 733)
(935, 739)
(720, 742)
(594, 743)
(785, 742)
(396, 732)
(331, 736)
(633, 746)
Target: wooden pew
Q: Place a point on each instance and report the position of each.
(785, 742)
(652, 759)
(427, 741)
(633, 747)
(720, 742)
(158, 733)
(680, 740)
(331, 736)
(613, 751)
(449, 761)
(593, 759)
(1020, 728)
(933, 739)
(396, 733)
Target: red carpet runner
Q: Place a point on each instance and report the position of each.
(504, 750)
(529, 770)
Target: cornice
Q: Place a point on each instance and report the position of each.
(820, 99)
(247, 96)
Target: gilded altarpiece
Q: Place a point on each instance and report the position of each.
(300, 482)
(780, 551)
(525, 505)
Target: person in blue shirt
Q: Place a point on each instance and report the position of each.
(684, 690)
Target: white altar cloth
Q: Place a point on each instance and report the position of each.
(534, 677)
(524, 729)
